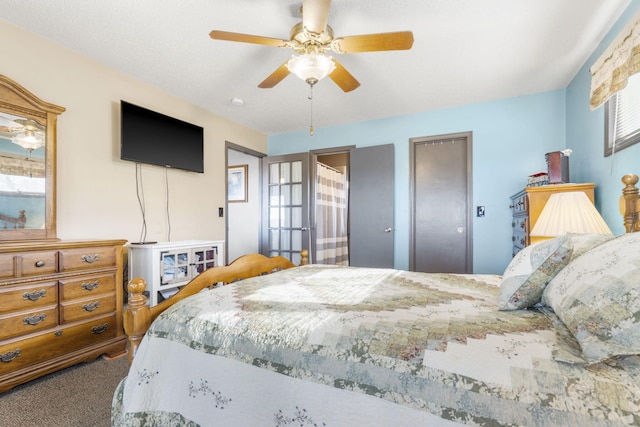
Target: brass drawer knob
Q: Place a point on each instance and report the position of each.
(34, 320)
(35, 295)
(9, 356)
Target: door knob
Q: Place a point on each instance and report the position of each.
(460, 230)
(387, 230)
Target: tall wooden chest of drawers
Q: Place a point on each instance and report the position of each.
(526, 206)
(60, 304)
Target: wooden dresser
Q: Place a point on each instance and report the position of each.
(60, 304)
(526, 206)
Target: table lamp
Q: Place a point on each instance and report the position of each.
(570, 212)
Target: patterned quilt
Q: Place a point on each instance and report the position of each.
(321, 345)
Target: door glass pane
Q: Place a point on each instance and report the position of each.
(285, 240)
(296, 217)
(294, 257)
(296, 240)
(274, 195)
(274, 217)
(274, 175)
(183, 272)
(296, 194)
(285, 217)
(285, 173)
(169, 260)
(274, 239)
(296, 173)
(285, 193)
(183, 258)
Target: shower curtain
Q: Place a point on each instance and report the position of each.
(332, 245)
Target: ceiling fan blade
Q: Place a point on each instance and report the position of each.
(276, 77)
(400, 40)
(247, 38)
(343, 78)
(315, 14)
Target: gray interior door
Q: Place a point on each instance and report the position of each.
(285, 195)
(371, 193)
(441, 235)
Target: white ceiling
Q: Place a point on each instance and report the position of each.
(465, 51)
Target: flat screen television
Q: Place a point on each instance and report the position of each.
(153, 138)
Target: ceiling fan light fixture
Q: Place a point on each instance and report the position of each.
(311, 67)
(29, 140)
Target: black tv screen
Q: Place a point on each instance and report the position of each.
(153, 138)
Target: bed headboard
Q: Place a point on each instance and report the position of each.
(630, 203)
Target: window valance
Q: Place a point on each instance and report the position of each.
(609, 74)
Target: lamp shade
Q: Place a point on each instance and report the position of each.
(570, 212)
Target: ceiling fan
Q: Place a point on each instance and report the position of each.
(312, 39)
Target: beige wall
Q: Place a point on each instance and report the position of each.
(97, 190)
(244, 218)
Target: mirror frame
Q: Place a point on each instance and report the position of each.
(16, 100)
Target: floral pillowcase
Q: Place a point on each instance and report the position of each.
(527, 275)
(597, 297)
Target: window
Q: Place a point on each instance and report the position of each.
(622, 118)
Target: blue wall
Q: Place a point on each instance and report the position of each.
(510, 139)
(585, 136)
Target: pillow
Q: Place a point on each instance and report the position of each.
(597, 296)
(527, 275)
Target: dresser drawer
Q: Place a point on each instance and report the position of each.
(27, 297)
(6, 265)
(87, 286)
(520, 203)
(39, 262)
(28, 263)
(85, 258)
(17, 354)
(27, 322)
(519, 225)
(83, 309)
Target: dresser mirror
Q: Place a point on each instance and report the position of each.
(27, 164)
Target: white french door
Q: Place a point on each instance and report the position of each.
(286, 206)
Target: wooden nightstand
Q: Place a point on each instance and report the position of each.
(526, 206)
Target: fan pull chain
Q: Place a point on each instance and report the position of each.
(311, 112)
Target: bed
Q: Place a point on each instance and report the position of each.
(555, 340)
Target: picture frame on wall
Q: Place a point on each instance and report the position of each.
(237, 183)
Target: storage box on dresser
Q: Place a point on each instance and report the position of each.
(60, 304)
(526, 206)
